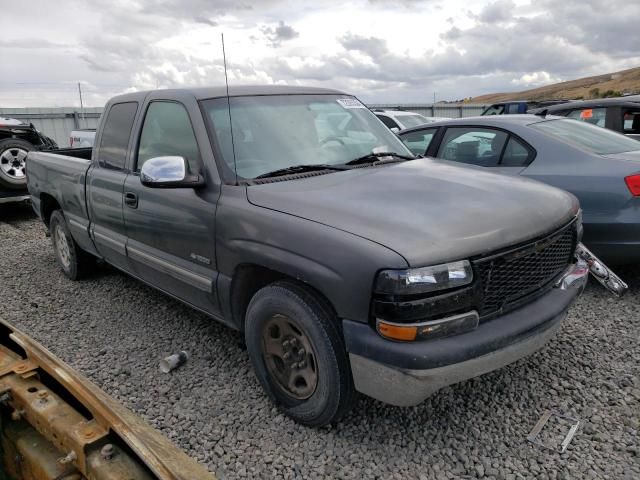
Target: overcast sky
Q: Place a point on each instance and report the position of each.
(380, 50)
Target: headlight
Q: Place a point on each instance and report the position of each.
(424, 279)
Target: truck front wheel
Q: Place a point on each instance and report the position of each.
(298, 353)
(74, 261)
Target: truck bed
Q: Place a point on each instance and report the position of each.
(59, 176)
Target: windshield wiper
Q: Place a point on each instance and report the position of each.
(377, 157)
(300, 169)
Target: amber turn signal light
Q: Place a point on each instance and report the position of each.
(397, 332)
(443, 327)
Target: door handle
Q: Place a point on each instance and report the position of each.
(131, 199)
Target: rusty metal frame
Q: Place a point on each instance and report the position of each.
(81, 440)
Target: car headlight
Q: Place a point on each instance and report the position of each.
(424, 279)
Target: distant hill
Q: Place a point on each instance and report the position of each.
(610, 84)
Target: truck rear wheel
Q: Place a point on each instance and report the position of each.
(298, 353)
(13, 154)
(74, 261)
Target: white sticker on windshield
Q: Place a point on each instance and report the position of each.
(350, 103)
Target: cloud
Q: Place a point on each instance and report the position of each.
(279, 33)
(28, 43)
(405, 3)
(535, 79)
(186, 9)
(205, 20)
(373, 47)
(383, 50)
(499, 11)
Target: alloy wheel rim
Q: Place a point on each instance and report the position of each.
(13, 162)
(289, 357)
(62, 246)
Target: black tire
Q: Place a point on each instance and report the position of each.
(75, 262)
(334, 393)
(12, 163)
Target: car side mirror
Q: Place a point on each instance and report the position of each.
(395, 130)
(168, 172)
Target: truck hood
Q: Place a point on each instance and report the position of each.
(427, 211)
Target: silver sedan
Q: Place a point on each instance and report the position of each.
(599, 166)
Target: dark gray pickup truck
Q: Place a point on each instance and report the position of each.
(294, 215)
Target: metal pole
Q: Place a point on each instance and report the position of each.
(82, 106)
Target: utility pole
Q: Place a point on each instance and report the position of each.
(82, 106)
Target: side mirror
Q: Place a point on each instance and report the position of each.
(395, 130)
(168, 172)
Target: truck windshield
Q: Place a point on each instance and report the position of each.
(273, 132)
(589, 137)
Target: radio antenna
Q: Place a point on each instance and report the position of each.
(226, 81)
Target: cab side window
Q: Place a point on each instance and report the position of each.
(115, 135)
(167, 131)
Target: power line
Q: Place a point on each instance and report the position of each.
(69, 84)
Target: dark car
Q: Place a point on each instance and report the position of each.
(295, 216)
(17, 139)
(512, 107)
(600, 167)
(620, 114)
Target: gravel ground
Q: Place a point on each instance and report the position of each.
(114, 330)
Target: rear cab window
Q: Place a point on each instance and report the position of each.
(112, 152)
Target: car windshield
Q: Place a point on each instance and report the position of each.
(584, 135)
(273, 132)
(412, 120)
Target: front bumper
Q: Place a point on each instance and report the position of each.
(404, 374)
